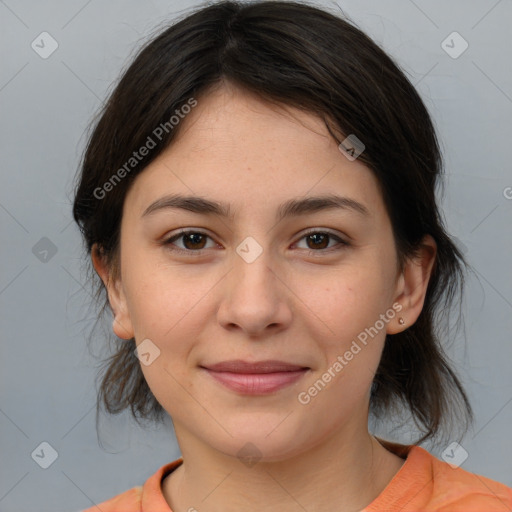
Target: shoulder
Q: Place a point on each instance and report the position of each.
(428, 484)
(146, 498)
(128, 501)
(457, 489)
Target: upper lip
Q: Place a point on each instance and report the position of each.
(240, 366)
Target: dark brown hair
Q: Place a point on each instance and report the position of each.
(297, 55)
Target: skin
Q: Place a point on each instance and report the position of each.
(300, 301)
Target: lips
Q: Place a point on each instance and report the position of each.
(258, 378)
(268, 366)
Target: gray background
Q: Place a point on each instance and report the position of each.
(47, 375)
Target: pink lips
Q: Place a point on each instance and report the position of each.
(255, 378)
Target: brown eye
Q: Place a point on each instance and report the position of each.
(318, 241)
(192, 241)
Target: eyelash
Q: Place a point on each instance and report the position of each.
(169, 242)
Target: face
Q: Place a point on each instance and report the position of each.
(302, 288)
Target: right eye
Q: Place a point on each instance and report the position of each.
(193, 242)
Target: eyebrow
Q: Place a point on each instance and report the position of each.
(291, 208)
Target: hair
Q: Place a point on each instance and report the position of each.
(296, 55)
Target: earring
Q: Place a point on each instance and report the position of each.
(401, 321)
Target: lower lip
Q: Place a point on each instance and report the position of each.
(256, 383)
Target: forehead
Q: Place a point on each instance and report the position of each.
(233, 147)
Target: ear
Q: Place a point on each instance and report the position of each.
(412, 285)
(122, 325)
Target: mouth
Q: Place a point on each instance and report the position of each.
(258, 378)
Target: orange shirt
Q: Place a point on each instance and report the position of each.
(423, 483)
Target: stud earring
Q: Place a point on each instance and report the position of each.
(401, 321)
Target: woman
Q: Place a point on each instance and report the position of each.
(258, 199)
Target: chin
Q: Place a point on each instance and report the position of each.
(267, 440)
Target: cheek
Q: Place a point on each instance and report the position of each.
(169, 306)
(344, 303)
(161, 297)
(348, 329)
(350, 352)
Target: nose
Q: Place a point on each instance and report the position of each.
(255, 298)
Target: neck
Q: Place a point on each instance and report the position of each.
(348, 471)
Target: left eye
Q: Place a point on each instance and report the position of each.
(193, 238)
(194, 241)
(320, 240)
